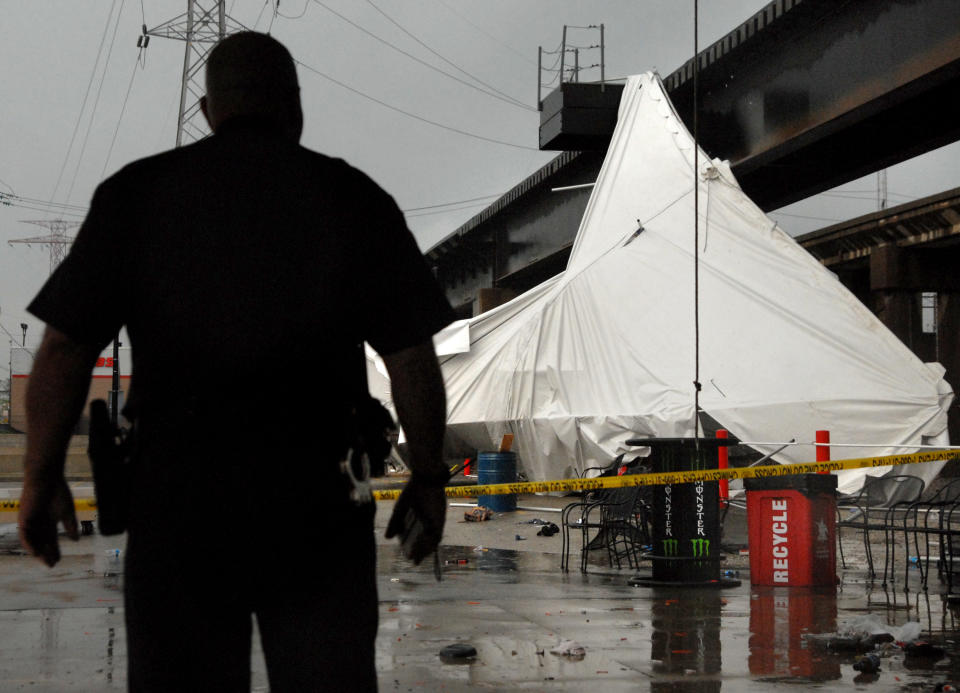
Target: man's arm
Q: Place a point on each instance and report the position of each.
(57, 392)
(420, 400)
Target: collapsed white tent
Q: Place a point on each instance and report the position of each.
(605, 351)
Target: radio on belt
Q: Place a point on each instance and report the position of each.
(792, 529)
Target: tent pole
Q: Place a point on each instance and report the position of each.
(696, 239)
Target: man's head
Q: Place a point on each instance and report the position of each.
(252, 74)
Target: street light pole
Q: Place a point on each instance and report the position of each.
(23, 326)
(115, 392)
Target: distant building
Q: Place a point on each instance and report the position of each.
(100, 385)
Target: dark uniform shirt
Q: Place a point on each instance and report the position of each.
(246, 269)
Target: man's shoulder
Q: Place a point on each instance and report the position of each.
(151, 166)
(345, 171)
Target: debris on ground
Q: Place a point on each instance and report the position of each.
(867, 664)
(857, 642)
(921, 649)
(520, 538)
(458, 652)
(921, 655)
(569, 648)
(534, 521)
(548, 530)
(866, 635)
(478, 514)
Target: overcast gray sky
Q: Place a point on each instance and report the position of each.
(59, 86)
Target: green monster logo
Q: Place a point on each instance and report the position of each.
(701, 547)
(670, 547)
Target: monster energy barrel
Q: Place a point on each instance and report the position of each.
(685, 530)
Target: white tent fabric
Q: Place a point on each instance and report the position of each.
(606, 351)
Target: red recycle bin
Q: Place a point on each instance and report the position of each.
(792, 529)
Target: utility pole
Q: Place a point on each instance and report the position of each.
(115, 384)
(57, 239)
(203, 24)
(882, 189)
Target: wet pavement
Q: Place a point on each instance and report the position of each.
(515, 606)
(62, 629)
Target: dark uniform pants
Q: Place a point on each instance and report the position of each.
(197, 575)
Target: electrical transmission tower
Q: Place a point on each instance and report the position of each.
(203, 24)
(57, 239)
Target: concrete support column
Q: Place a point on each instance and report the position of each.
(948, 353)
(491, 298)
(892, 302)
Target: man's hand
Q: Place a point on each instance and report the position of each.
(42, 507)
(55, 398)
(419, 396)
(418, 519)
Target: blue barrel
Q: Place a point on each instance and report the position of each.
(497, 468)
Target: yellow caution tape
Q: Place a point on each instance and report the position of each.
(13, 505)
(653, 479)
(662, 478)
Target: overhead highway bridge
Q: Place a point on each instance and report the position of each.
(803, 96)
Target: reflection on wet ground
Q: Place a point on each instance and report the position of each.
(62, 630)
(515, 606)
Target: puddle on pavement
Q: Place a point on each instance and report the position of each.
(515, 606)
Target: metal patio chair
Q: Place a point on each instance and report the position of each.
(948, 535)
(620, 520)
(942, 506)
(874, 509)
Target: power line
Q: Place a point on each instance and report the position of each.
(273, 16)
(508, 100)
(123, 110)
(166, 119)
(47, 210)
(14, 339)
(570, 48)
(83, 105)
(34, 207)
(448, 204)
(96, 101)
(12, 198)
(306, 4)
(265, 3)
(844, 196)
(411, 115)
(448, 62)
(486, 33)
(804, 216)
(445, 211)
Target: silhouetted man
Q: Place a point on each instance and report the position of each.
(246, 269)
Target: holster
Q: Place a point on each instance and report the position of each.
(374, 425)
(109, 451)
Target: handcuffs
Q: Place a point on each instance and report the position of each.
(361, 491)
